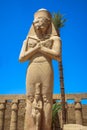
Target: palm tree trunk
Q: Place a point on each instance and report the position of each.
(62, 93)
(58, 21)
(62, 87)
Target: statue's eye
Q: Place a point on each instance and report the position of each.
(35, 22)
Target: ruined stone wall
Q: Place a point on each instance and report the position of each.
(21, 115)
(71, 114)
(16, 104)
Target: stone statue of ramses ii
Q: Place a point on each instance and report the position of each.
(41, 45)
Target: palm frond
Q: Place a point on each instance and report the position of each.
(58, 20)
(55, 109)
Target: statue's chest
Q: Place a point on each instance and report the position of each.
(46, 43)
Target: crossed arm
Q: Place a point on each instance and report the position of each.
(53, 53)
(24, 54)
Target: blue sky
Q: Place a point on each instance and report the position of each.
(16, 17)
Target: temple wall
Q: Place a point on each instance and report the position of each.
(12, 110)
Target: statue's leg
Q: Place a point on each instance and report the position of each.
(47, 89)
(31, 80)
(29, 122)
(38, 121)
(47, 112)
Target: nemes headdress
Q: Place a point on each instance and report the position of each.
(46, 14)
(43, 13)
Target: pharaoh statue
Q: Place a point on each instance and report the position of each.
(41, 45)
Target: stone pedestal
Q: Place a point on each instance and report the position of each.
(74, 127)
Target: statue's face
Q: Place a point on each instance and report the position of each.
(41, 24)
(31, 98)
(37, 97)
(44, 98)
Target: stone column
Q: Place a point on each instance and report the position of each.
(78, 112)
(14, 115)
(2, 114)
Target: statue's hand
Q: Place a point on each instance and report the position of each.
(48, 43)
(38, 46)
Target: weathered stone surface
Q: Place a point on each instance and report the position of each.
(78, 112)
(22, 105)
(2, 115)
(14, 116)
(74, 127)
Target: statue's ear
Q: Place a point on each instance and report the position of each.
(52, 31)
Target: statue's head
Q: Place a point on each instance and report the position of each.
(42, 24)
(30, 97)
(37, 97)
(42, 20)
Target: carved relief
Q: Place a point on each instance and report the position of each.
(37, 107)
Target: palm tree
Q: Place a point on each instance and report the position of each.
(59, 21)
(55, 120)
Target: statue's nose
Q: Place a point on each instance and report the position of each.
(38, 27)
